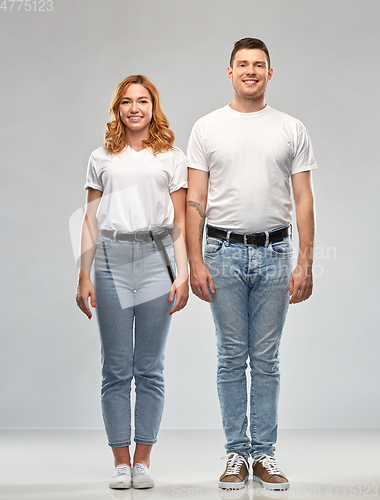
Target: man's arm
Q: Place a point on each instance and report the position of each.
(301, 281)
(195, 221)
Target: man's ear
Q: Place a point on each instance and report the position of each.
(229, 72)
(270, 74)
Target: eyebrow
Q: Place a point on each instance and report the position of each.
(256, 62)
(141, 97)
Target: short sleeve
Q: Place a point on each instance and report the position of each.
(179, 179)
(92, 179)
(196, 156)
(303, 159)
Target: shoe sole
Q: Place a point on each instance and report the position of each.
(232, 486)
(142, 486)
(121, 485)
(271, 486)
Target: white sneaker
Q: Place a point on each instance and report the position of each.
(142, 477)
(121, 478)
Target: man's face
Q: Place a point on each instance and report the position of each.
(250, 73)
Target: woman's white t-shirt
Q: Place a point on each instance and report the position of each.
(136, 187)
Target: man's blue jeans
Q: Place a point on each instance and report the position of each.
(249, 309)
(132, 288)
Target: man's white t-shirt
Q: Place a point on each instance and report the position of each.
(136, 187)
(250, 158)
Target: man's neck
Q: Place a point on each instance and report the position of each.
(244, 105)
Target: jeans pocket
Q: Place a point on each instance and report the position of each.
(282, 248)
(104, 242)
(213, 246)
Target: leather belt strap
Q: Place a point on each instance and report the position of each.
(145, 236)
(250, 239)
(157, 238)
(137, 236)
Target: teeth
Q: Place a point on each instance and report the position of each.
(135, 118)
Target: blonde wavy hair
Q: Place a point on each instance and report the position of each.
(161, 138)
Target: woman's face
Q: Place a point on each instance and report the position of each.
(136, 109)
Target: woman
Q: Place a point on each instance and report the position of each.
(134, 224)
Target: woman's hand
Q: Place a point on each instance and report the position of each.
(180, 289)
(85, 290)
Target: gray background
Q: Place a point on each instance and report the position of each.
(59, 71)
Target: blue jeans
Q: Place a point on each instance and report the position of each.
(249, 308)
(132, 287)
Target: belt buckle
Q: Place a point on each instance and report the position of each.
(136, 233)
(245, 240)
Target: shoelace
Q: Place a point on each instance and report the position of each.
(121, 469)
(234, 464)
(140, 468)
(269, 463)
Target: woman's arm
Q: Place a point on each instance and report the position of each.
(180, 286)
(85, 288)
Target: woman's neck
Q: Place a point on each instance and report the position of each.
(135, 140)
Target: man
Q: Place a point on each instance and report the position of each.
(242, 158)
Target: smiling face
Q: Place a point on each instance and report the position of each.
(136, 108)
(250, 74)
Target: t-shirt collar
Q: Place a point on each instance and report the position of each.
(255, 114)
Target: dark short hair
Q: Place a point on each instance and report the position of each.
(249, 43)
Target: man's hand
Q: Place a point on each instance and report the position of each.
(200, 277)
(301, 283)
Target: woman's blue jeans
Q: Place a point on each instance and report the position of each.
(249, 308)
(132, 287)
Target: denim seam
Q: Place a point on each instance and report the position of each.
(284, 254)
(120, 444)
(280, 254)
(105, 257)
(145, 441)
(253, 417)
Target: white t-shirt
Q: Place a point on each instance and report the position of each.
(136, 187)
(250, 158)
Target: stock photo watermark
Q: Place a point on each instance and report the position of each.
(26, 5)
(315, 491)
(75, 227)
(88, 243)
(119, 256)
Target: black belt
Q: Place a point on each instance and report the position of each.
(249, 239)
(145, 236)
